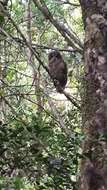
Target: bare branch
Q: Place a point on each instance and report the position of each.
(67, 2)
(64, 31)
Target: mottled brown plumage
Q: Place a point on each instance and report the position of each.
(58, 70)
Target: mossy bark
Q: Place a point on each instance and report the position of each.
(94, 162)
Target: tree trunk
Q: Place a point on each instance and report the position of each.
(94, 161)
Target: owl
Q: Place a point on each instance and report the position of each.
(57, 70)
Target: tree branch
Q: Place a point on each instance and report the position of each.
(71, 39)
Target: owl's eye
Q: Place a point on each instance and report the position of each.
(58, 55)
(51, 56)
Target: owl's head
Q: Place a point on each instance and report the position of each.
(54, 54)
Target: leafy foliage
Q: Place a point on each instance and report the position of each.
(52, 162)
(40, 130)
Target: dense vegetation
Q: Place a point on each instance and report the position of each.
(40, 129)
